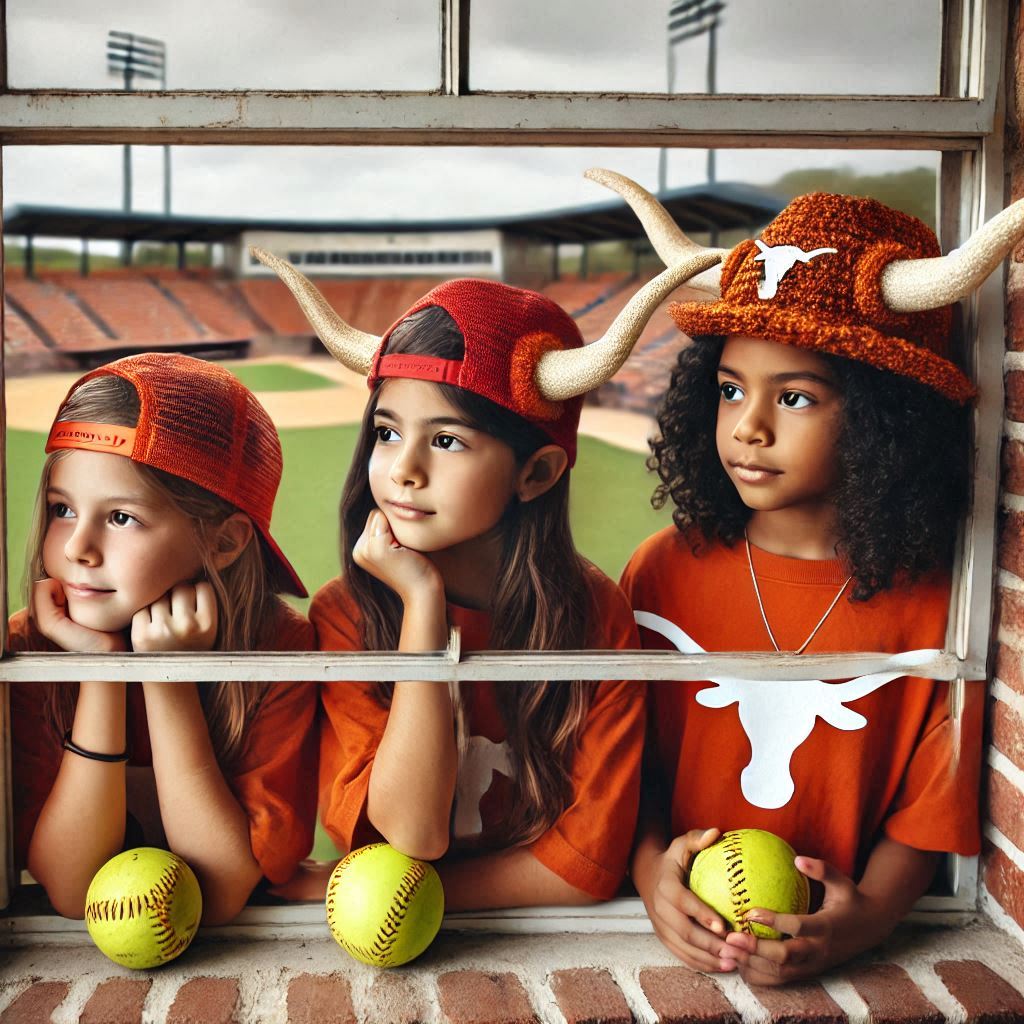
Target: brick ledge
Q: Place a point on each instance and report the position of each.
(972, 973)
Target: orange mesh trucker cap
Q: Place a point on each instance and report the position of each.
(199, 422)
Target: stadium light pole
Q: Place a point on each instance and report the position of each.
(134, 56)
(688, 19)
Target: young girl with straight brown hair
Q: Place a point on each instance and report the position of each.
(455, 513)
(151, 533)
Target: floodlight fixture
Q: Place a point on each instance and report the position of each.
(688, 19)
(133, 56)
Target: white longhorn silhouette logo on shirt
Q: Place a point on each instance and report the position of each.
(778, 716)
(482, 760)
(778, 261)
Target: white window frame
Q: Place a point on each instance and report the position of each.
(964, 123)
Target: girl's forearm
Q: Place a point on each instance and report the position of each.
(510, 878)
(203, 822)
(895, 878)
(81, 825)
(650, 846)
(412, 782)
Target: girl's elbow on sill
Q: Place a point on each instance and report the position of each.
(67, 899)
(421, 843)
(225, 906)
(421, 847)
(68, 905)
(223, 913)
(66, 902)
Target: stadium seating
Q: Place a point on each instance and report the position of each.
(64, 317)
(576, 296)
(24, 350)
(60, 318)
(136, 311)
(204, 304)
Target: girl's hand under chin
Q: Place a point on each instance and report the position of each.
(184, 619)
(49, 611)
(407, 572)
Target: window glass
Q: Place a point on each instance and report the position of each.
(438, 213)
(790, 46)
(230, 44)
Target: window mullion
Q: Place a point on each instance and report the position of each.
(979, 557)
(346, 118)
(477, 665)
(454, 47)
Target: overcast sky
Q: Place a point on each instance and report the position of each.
(872, 46)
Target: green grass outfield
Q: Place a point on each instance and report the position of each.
(278, 377)
(610, 505)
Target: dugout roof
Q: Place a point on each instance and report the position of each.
(696, 208)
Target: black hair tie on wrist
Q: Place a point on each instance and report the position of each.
(92, 755)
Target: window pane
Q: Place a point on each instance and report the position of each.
(230, 44)
(789, 46)
(321, 200)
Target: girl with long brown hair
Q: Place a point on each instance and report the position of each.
(455, 513)
(151, 533)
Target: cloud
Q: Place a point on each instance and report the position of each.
(385, 44)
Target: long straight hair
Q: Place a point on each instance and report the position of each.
(247, 602)
(541, 598)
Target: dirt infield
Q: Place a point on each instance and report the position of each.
(32, 401)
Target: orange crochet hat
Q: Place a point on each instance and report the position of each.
(813, 280)
(201, 423)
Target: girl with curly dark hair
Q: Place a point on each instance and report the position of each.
(814, 443)
(897, 496)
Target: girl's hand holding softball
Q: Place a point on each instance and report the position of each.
(847, 923)
(49, 612)
(406, 572)
(184, 619)
(689, 928)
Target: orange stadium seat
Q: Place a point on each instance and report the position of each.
(574, 295)
(136, 310)
(211, 307)
(58, 315)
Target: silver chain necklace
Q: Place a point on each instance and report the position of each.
(764, 618)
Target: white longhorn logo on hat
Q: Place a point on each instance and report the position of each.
(778, 260)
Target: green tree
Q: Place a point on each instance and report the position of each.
(912, 191)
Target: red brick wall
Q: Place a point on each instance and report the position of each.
(1002, 865)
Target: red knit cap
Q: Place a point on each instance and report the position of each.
(824, 293)
(199, 422)
(506, 331)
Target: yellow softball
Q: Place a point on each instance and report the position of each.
(143, 907)
(384, 908)
(745, 869)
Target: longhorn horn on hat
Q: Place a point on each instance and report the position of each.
(566, 373)
(352, 348)
(668, 238)
(909, 286)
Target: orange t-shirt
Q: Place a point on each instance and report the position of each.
(831, 767)
(589, 844)
(273, 778)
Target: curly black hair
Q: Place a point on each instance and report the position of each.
(903, 468)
